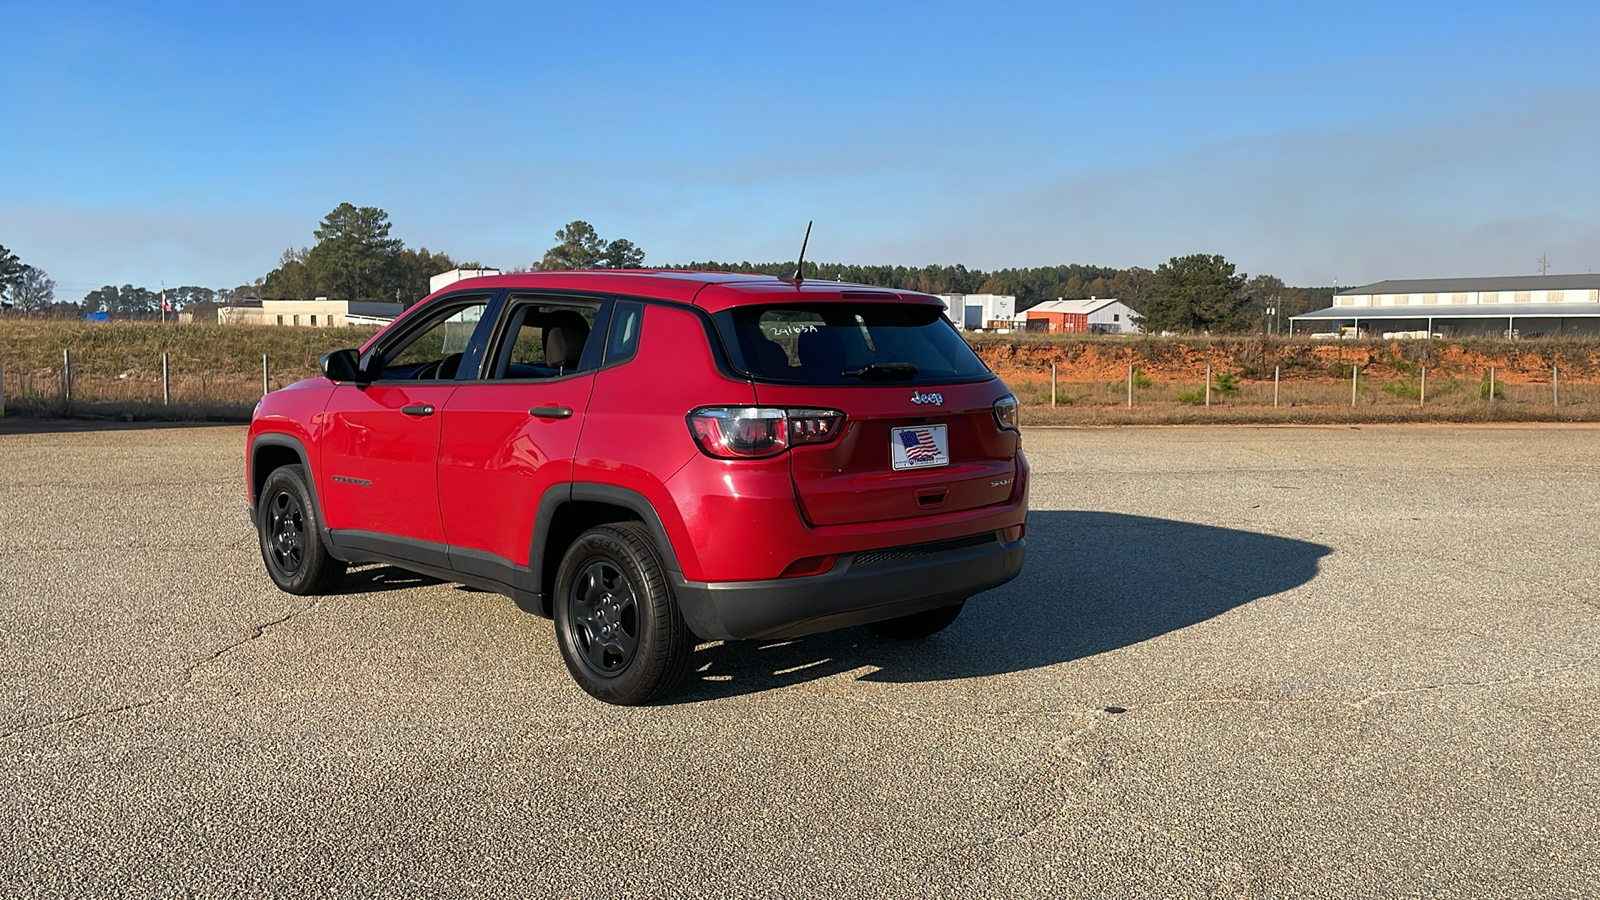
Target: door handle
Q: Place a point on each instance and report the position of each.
(418, 409)
(551, 412)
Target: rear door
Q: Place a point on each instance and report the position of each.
(921, 436)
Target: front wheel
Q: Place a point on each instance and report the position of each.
(291, 542)
(918, 625)
(617, 622)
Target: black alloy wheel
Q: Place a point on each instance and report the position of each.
(291, 542)
(286, 527)
(617, 622)
(604, 618)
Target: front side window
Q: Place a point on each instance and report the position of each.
(847, 343)
(434, 350)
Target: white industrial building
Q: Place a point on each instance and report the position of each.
(980, 312)
(1105, 315)
(1515, 306)
(445, 279)
(318, 313)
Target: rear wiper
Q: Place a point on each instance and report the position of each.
(883, 370)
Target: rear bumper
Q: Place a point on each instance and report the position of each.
(869, 586)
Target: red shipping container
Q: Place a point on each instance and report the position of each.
(1068, 323)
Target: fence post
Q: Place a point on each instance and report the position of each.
(1491, 382)
(1130, 389)
(66, 377)
(166, 383)
(1275, 371)
(1555, 388)
(1355, 375)
(1052, 384)
(1208, 384)
(265, 390)
(2, 390)
(1422, 396)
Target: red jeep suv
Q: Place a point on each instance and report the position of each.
(652, 458)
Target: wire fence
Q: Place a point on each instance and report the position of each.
(162, 387)
(170, 386)
(1439, 391)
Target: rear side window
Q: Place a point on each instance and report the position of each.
(623, 343)
(848, 343)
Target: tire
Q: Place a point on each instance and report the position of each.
(291, 541)
(617, 622)
(918, 625)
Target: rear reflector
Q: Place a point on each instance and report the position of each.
(811, 565)
(1014, 533)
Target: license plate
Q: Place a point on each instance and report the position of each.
(919, 447)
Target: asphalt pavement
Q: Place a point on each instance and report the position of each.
(1240, 662)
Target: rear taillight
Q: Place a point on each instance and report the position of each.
(1005, 413)
(755, 432)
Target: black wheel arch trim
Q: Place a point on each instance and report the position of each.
(272, 439)
(638, 504)
(558, 495)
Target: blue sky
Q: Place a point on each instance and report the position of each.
(193, 143)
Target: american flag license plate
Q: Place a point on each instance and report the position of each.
(919, 447)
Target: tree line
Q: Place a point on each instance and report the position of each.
(355, 257)
(1192, 293)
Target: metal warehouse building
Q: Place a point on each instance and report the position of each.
(977, 312)
(1517, 306)
(1096, 315)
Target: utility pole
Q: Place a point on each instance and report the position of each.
(1544, 263)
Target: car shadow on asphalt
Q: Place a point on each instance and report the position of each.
(372, 579)
(1093, 582)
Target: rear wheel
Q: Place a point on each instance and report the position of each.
(617, 622)
(291, 542)
(918, 625)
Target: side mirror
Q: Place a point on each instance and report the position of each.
(342, 365)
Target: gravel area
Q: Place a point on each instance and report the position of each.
(1241, 662)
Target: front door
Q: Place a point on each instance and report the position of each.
(380, 446)
(510, 436)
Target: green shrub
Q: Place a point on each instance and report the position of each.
(1225, 383)
(1403, 389)
(1488, 391)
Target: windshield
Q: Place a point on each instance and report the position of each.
(848, 343)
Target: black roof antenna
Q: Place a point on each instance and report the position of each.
(800, 264)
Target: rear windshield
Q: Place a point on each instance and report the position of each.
(848, 343)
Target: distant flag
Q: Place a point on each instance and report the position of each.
(165, 306)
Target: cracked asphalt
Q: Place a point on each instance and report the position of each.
(1240, 662)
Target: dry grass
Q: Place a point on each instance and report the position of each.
(214, 371)
(216, 375)
(1301, 402)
